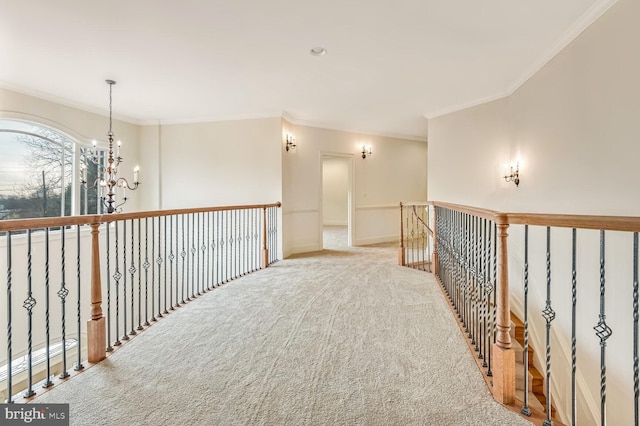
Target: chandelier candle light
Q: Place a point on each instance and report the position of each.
(109, 179)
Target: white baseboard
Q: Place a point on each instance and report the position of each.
(377, 240)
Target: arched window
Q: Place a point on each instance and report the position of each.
(45, 173)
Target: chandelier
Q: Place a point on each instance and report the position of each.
(108, 180)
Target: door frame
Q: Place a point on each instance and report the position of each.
(350, 195)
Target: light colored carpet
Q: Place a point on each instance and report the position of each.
(333, 338)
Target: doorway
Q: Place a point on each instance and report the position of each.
(336, 201)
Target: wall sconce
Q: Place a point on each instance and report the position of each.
(366, 150)
(511, 175)
(290, 142)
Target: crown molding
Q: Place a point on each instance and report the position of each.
(212, 119)
(329, 126)
(588, 18)
(66, 102)
(585, 21)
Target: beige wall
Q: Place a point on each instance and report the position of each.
(395, 172)
(575, 127)
(215, 163)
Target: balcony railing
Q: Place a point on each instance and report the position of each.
(76, 288)
(574, 284)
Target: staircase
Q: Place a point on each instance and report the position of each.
(537, 399)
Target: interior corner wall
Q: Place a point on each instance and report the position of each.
(574, 126)
(395, 172)
(82, 126)
(218, 163)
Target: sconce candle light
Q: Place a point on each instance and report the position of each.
(290, 142)
(511, 174)
(366, 150)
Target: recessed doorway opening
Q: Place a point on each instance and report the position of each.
(336, 196)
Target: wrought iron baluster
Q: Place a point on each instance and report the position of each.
(481, 281)
(200, 263)
(124, 281)
(47, 383)
(183, 254)
(203, 249)
(29, 304)
(159, 263)
(636, 381)
(165, 266)
(525, 408)
(62, 294)
(549, 315)
(108, 255)
(132, 271)
(492, 328)
(172, 257)
(146, 266)
(116, 278)
(488, 291)
(139, 275)
(193, 256)
(153, 270)
(9, 321)
(78, 365)
(574, 300)
(603, 331)
(177, 261)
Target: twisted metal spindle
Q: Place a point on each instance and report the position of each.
(636, 381)
(549, 315)
(9, 322)
(78, 365)
(47, 383)
(62, 294)
(29, 304)
(153, 270)
(108, 256)
(132, 271)
(603, 331)
(172, 257)
(574, 300)
(194, 277)
(165, 267)
(159, 263)
(525, 408)
(124, 281)
(116, 278)
(139, 276)
(146, 266)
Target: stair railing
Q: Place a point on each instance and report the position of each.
(563, 266)
(76, 288)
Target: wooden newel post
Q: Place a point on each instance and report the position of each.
(504, 372)
(265, 251)
(96, 330)
(401, 257)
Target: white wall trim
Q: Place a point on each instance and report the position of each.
(381, 207)
(299, 211)
(302, 249)
(377, 240)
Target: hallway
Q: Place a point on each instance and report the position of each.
(339, 337)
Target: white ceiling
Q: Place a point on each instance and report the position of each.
(389, 64)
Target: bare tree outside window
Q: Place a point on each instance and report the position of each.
(37, 173)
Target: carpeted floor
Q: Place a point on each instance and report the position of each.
(339, 337)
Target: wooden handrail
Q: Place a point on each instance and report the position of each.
(51, 222)
(604, 223)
